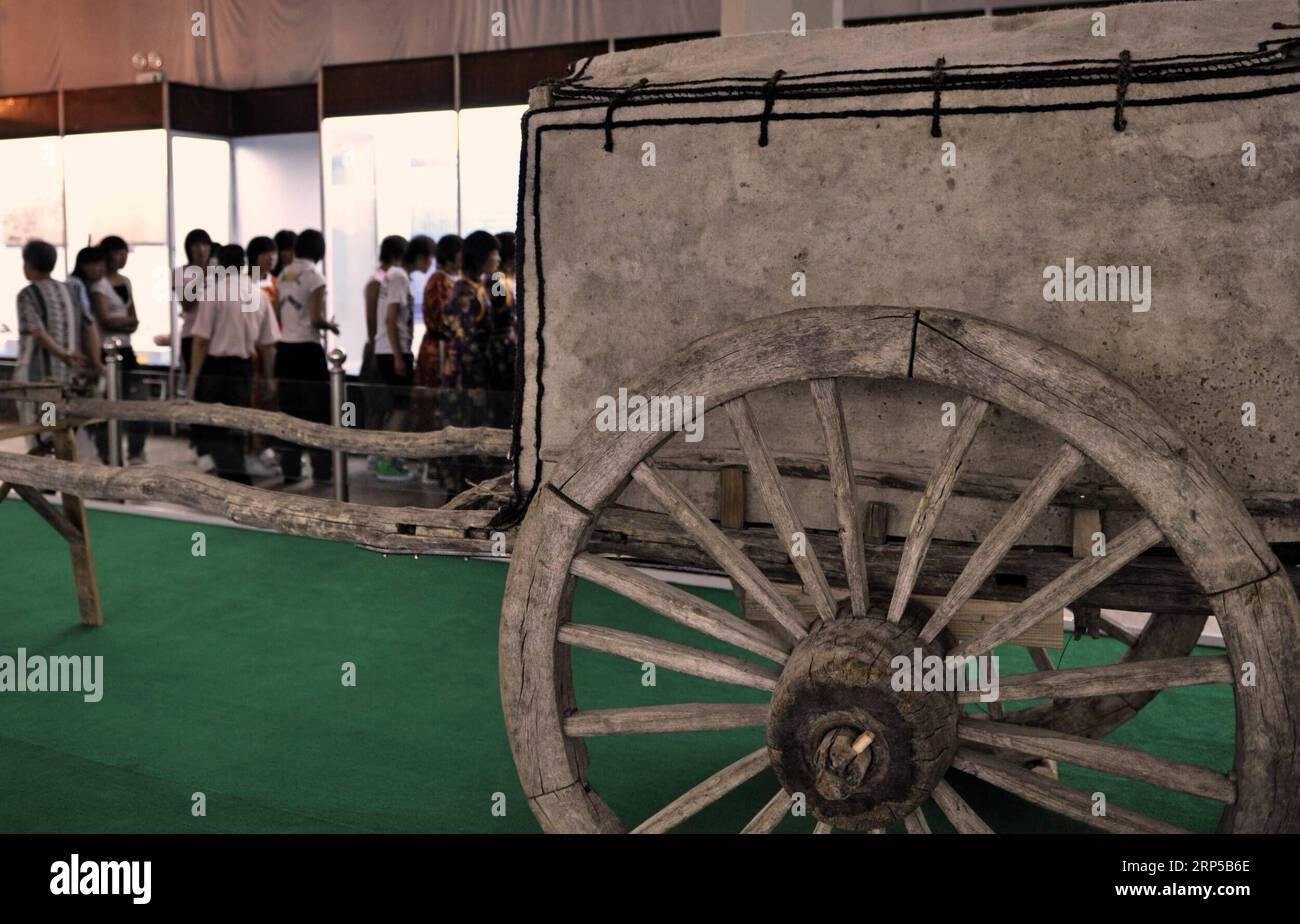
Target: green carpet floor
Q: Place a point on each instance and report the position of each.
(222, 676)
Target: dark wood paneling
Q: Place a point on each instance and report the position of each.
(113, 109)
(275, 110)
(29, 116)
(650, 41)
(912, 17)
(418, 85)
(503, 78)
(199, 109)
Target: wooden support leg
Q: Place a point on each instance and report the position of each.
(83, 561)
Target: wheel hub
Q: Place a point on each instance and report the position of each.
(863, 754)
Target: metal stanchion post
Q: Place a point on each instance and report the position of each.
(338, 384)
(113, 374)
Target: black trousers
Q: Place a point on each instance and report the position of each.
(303, 379)
(132, 390)
(225, 380)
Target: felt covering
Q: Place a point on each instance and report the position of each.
(624, 263)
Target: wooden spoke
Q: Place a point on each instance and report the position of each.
(681, 717)
(1004, 535)
(822, 828)
(1057, 797)
(876, 831)
(916, 823)
(770, 815)
(932, 502)
(681, 658)
(830, 414)
(1125, 677)
(1072, 584)
(679, 605)
(785, 520)
(743, 571)
(1101, 755)
(1042, 659)
(705, 794)
(956, 810)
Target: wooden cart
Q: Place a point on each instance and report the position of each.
(681, 210)
(877, 481)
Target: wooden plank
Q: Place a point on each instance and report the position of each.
(681, 658)
(770, 815)
(1124, 677)
(731, 497)
(681, 606)
(933, 499)
(1057, 797)
(1003, 536)
(705, 793)
(680, 717)
(830, 414)
(720, 549)
(956, 810)
(413, 529)
(875, 523)
(83, 558)
(785, 519)
(1100, 755)
(1075, 582)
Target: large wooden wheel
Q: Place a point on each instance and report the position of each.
(861, 754)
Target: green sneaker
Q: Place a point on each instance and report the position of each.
(389, 470)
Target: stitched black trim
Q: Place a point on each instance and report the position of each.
(936, 78)
(769, 99)
(609, 112)
(1123, 75)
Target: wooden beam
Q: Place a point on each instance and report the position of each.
(449, 441)
(770, 815)
(36, 500)
(1105, 756)
(670, 655)
(705, 793)
(954, 807)
(1075, 582)
(680, 717)
(1124, 677)
(1057, 797)
(681, 606)
(785, 518)
(722, 551)
(935, 497)
(830, 415)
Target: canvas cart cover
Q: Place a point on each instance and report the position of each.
(991, 165)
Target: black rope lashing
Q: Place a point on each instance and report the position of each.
(1123, 76)
(769, 100)
(609, 111)
(936, 78)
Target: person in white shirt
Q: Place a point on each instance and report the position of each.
(394, 362)
(300, 366)
(391, 250)
(113, 302)
(227, 333)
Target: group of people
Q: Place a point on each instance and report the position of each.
(261, 343)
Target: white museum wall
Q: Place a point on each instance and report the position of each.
(30, 209)
(277, 184)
